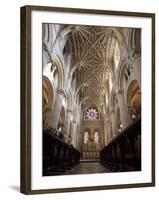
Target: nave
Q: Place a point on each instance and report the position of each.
(91, 99)
(88, 168)
(122, 154)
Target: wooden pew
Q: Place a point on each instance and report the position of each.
(57, 155)
(123, 153)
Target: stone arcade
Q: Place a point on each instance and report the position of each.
(91, 99)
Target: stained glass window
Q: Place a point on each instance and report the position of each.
(96, 137)
(92, 114)
(86, 137)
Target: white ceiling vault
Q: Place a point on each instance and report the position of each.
(92, 51)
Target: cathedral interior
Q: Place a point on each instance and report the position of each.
(91, 94)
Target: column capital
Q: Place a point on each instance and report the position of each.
(62, 92)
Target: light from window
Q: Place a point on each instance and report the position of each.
(96, 137)
(86, 137)
(91, 114)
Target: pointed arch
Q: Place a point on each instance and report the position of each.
(120, 38)
(120, 75)
(60, 69)
(133, 96)
(48, 91)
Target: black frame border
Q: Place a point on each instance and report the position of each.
(25, 97)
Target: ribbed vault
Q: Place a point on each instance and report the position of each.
(92, 50)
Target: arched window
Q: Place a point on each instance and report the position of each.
(96, 137)
(86, 136)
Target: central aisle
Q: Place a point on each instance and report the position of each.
(87, 168)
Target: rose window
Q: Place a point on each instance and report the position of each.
(91, 114)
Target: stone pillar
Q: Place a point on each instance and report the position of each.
(68, 123)
(105, 132)
(74, 133)
(47, 117)
(109, 136)
(78, 136)
(125, 117)
(57, 108)
(102, 138)
(114, 127)
(107, 126)
(137, 70)
(45, 59)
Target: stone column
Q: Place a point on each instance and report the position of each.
(47, 118)
(57, 108)
(109, 136)
(107, 126)
(78, 136)
(45, 59)
(125, 117)
(68, 123)
(102, 138)
(74, 133)
(105, 132)
(114, 128)
(137, 70)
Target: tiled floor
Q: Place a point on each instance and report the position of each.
(87, 168)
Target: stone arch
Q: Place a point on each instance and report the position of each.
(77, 90)
(62, 117)
(83, 100)
(120, 75)
(60, 69)
(48, 97)
(45, 59)
(120, 38)
(48, 91)
(45, 32)
(66, 31)
(50, 36)
(133, 97)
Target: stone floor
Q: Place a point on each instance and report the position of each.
(87, 168)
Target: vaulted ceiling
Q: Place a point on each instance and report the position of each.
(92, 50)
